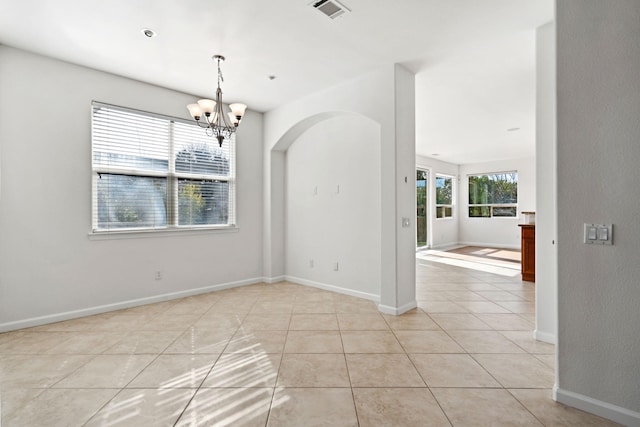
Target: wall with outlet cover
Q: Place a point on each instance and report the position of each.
(598, 104)
(496, 232)
(333, 205)
(49, 268)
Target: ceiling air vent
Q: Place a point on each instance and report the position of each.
(331, 8)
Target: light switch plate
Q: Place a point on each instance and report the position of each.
(598, 234)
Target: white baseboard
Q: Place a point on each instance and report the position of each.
(333, 288)
(396, 311)
(545, 337)
(276, 279)
(602, 409)
(59, 317)
(490, 245)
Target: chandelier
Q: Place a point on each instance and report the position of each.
(209, 114)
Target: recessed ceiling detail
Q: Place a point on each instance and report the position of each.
(331, 8)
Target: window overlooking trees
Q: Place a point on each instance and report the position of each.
(153, 172)
(493, 195)
(444, 196)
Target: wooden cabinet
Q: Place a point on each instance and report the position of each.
(528, 251)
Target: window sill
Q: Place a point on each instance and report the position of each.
(136, 234)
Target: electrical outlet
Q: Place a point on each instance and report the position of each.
(336, 266)
(158, 275)
(310, 263)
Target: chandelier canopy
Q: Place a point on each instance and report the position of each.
(209, 114)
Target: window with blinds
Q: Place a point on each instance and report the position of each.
(152, 172)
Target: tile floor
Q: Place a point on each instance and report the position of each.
(290, 355)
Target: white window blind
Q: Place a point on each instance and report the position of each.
(154, 172)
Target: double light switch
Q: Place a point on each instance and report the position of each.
(598, 234)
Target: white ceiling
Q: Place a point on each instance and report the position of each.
(473, 59)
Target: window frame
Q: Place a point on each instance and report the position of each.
(442, 205)
(491, 206)
(172, 182)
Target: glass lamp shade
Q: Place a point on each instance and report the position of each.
(234, 119)
(207, 105)
(195, 111)
(238, 109)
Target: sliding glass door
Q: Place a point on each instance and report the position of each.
(422, 179)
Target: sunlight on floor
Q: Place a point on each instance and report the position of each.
(484, 263)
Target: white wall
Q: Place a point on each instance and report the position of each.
(48, 264)
(387, 96)
(598, 82)
(546, 192)
(441, 232)
(497, 232)
(333, 206)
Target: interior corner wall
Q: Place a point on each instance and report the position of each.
(382, 95)
(598, 83)
(443, 231)
(48, 266)
(497, 232)
(546, 191)
(333, 206)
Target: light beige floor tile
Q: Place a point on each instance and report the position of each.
(174, 371)
(257, 342)
(382, 370)
(14, 399)
(313, 342)
(484, 342)
(107, 371)
(480, 287)
(272, 307)
(497, 296)
(237, 407)
(34, 342)
(60, 408)
(362, 322)
(483, 407)
(525, 340)
(200, 341)
(452, 370)
(427, 342)
(506, 322)
(313, 370)
(441, 307)
(314, 307)
(482, 307)
(244, 370)
(295, 407)
(213, 320)
(551, 413)
(406, 407)
(144, 342)
(519, 306)
(167, 322)
(122, 322)
(314, 322)
(547, 359)
(266, 322)
(462, 295)
(430, 295)
(86, 343)
(517, 370)
(143, 407)
(459, 321)
(355, 305)
(370, 342)
(34, 371)
(415, 320)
